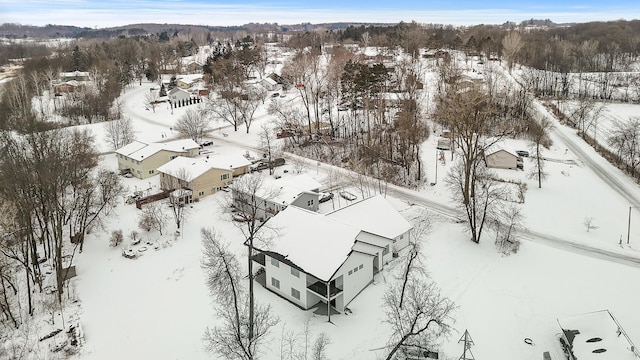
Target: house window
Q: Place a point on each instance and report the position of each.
(350, 272)
(295, 293)
(310, 202)
(385, 251)
(173, 157)
(201, 193)
(224, 176)
(275, 283)
(151, 171)
(360, 267)
(355, 269)
(295, 272)
(275, 262)
(401, 236)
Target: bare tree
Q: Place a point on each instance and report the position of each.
(538, 132)
(413, 260)
(249, 194)
(119, 132)
(268, 145)
(483, 195)
(625, 139)
(43, 173)
(248, 109)
(151, 100)
(153, 216)
(243, 329)
(511, 45)
(193, 124)
(507, 224)
(420, 320)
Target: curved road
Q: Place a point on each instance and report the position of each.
(450, 212)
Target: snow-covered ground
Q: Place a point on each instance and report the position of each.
(158, 306)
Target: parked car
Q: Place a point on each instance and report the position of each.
(324, 197)
(207, 143)
(258, 166)
(275, 95)
(347, 195)
(284, 134)
(522, 153)
(277, 162)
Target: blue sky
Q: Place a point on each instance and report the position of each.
(105, 13)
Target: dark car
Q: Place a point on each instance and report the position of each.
(207, 143)
(284, 134)
(324, 197)
(259, 166)
(522, 153)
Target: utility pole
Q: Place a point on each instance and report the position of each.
(629, 226)
(468, 342)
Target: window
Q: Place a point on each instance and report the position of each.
(275, 262)
(295, 272)
(295, 293)
(310, 202)
(401, 236)
(350, 272)
(224, 176)
(201, 193)
(355, 269)
(151, 171)
(275, 283)
(360, 267)
(173, 157)
(385, 251)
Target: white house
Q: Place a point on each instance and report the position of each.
(330, 258)
(277, 194)
(177, 94)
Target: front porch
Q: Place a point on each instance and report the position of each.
(320, 288)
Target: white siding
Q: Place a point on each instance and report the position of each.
(287, 281)
(401, 241)
(358, 280)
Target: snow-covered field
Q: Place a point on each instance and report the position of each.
(158, 306)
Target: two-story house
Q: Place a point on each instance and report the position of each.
(330, 258)
(142, 160)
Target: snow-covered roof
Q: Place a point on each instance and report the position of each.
(186, 169)
(314, 242)
(320, 243)
(286, 189)
(140, 151)
(583, 331)
(229, 161)
(177, 90)
(499, 147)
(189, 78)
(292, 186)
(131, 148)
(374, 215)
(72, 74)
(269, 81)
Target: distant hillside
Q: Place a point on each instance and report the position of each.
(15, 31)
(9, 30)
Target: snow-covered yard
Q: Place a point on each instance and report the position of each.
(157, 306)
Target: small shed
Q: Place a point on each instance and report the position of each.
(501, 158)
